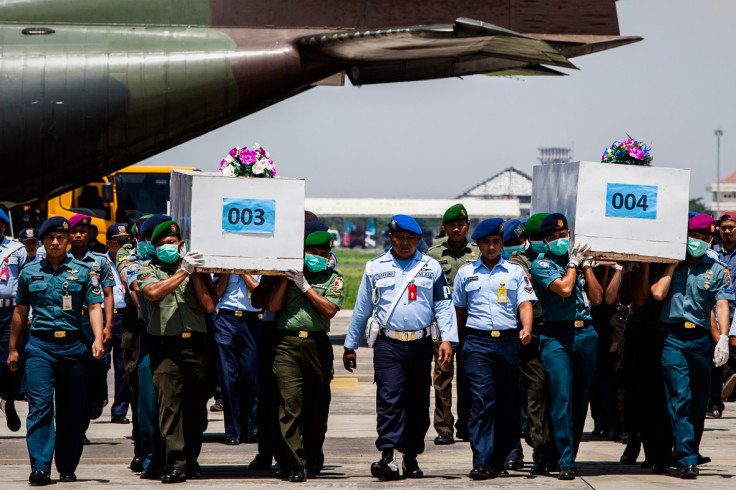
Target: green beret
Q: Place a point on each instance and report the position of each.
(319, 239)
(167, 228)
(534, 223)
(456, 212)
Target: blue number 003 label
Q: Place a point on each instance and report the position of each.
(631, 201)
(248, 215)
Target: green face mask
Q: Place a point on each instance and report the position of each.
(559, 247)
(696, 247)
(509, 251)
(315, 263)
(168, 253)
(539, 246)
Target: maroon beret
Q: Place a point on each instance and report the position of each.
(727, 216)
(702, 223)
(79, 220)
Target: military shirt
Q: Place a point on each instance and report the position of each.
(43, 289)
(176, 313)
(237, 297)
(298, 312)
(492, 297)
(451, 259)
(13, 256)
(555, 308)
(100, 265)
(525, 259)
(433, 298)
(728, 257)
(694, 291)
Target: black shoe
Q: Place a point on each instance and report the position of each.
(627, 459)
(39, 478)
(444, 438)
(119, 419)
(385, 469)
(151, 473)
(538, 469)
(85, 441)
(259, 463)
(176, 475)
(11, 415)
(217, 407)
(596, 432)
(136, 465)
(660, 468)
(314, 467)
(462, 435)
(567, 473)
(606, 434)
(232, 441)
(499, 472)
(480, 472)
(713, 414)
(298, 475)
(194, 471)
(513, 465)
(689, 472)
(410, 467)
(703, 459)
(647, 463)
(67, 477)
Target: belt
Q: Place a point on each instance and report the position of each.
(239, 313)
(119, 310)
(56, 335)
(406, 336)
(493, 333)
(569, 323)
(302, 334)
(7, 302)
(686, 324)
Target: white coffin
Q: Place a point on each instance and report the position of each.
(240, 224)
(624, 212)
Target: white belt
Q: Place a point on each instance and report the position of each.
(406, 336)
(6, 302)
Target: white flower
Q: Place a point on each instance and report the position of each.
(228, 171)
(229, 159)
(259, 167)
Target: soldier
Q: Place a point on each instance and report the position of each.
(452, 253)
(29, 238)
(410, 291)
(690, 290)
(13, 257)
(178, 300)
(58, 288)
(568, 341)
(531, 368)
(490, 296)
(303, 356)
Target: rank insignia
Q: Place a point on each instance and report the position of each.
(73, 271)
(528, 290)
(472, 254)
(709, 271)
(335, 292)
(144, 277)
(72, 278)
(706, 286)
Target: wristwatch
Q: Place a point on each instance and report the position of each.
(572, 265)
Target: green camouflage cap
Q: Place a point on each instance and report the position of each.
(534, 224)
(455, 212)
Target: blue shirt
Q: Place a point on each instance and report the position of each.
(545, 270)
(476, 288)
(118, 290)
(728, 257)
(432, 299)
(14, 261)
(236, 296)
(43, 289)
(695, 290)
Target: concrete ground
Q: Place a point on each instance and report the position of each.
(349, 450)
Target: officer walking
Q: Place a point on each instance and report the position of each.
(178, 300)
(452, 253)
(13, 257)
(409, 290)
(490, 295)
(568, 341)
(690, 290)
(58, 288)
(29, 238)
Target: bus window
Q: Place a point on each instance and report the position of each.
(87, 200)
(140, 194)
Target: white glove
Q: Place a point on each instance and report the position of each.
(297, 277)
(578, 253)
(191, 260)
(720, 356)
(589, 262)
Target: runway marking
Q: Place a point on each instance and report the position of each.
(345, 383)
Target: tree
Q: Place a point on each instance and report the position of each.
(697, 205)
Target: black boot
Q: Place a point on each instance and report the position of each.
(410, 467)
(386, 468)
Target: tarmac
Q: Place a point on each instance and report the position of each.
(350, 449)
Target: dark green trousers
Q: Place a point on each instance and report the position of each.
(303, 371)
(180, 372)
(534, 380)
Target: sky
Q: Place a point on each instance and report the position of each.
(439, 138)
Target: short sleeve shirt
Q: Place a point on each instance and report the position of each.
(525, 260)
(298, 312)
(451, 259)
(555, 308)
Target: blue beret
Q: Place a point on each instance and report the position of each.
(691, 215)
(55, 223)
(512, 230)
(151, 223)
(552, 223)
(28, 234)
(491, 226)
(312, 226)
(402, 222)
(4, 217)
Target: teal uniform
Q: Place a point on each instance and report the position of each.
(568, 344)
(100, 266)
(687, 350)
(55, 359)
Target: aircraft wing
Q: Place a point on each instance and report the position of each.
(467, 47)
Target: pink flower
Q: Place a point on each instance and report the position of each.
(636, 152)
(248, 156)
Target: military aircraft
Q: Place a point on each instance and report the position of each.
(90, 86)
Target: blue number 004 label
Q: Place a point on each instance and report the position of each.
(248, 215)
(631, 201)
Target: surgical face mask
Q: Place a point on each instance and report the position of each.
(315, 263)
(168, 253)
(145, 248)
(539, 246)
(509, 251)
(559, 247)
(696, 247)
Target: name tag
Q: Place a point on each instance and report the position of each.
(502, 295)
(66, 302)
(248, 216)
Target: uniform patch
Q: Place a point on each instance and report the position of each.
(96, 291)
(335, 292)
(339, 282)
(728, 290)
(551, 272)
(144, 277)
(72, 278)
(26, 217)
(381, 275)
(425, 274)
(443, 261)
(132, 267)
(526, 280)
(544, 263)
(472, 278)
(36, 278)
(73, 271)
(94, 280)
(528, 290)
